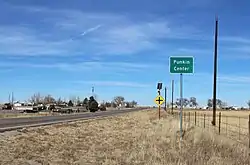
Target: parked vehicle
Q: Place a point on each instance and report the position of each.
(7, 106)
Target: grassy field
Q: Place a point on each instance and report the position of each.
(135, 138)
(224, 112)
(234, 124)
(237, 118)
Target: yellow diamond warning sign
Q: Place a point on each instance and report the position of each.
(159, 100)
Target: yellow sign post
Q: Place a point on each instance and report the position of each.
(159, 100)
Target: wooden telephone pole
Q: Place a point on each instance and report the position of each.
(215, 72)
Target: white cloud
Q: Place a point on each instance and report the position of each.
(110, 34)
(240, 49)
(222, 79)
(195, 51)
(235, 79)
(114, 83)
(25, 41)
(98, 66)
(237, 39)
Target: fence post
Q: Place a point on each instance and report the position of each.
(219, 121)
(249, 131)
(204, 120)
(239, 128)
(184, 117)
(189, 117)
(195, 117)
(226, 124)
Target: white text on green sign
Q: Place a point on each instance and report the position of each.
(181, 64)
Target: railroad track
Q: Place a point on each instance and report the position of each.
(8, 124)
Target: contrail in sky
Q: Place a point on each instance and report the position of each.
(86, 32)
(91, 30)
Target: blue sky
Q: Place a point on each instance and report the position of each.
(54, 47)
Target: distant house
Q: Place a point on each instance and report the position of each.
(22, 106)
(17, 104)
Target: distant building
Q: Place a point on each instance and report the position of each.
(17, 104)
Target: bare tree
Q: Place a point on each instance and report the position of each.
(128, 104)
(178, 102)
(78, 101)
(210, 103)
(49, 99)
(218, 103)
(223, 105)
(193, 102)
(59, 101)
(185, 102)
(108, 104)
(134, 103)
(248, 103)
(119, 100)
(36, 98)
(85, 101)
(73, 99)
(113, 104)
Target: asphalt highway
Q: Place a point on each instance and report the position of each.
(8, 124)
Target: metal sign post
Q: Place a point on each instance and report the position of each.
(159, 107)
(165, 94)
(172, 107)
(159, 100)
(181, 101)
(181, 65)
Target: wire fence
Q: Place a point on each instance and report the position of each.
(233, 127)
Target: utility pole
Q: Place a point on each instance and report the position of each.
(165, 107)
(172, 107)
(9, 98)
(215, 72)
(12, 99)
(92, 90)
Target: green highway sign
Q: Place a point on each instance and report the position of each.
(184, 64)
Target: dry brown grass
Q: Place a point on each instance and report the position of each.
(15, 115)
(234, 124)
(135, 138)
(235, 118)
(223, 112)
(19, 115)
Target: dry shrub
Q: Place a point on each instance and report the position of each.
(136, 138)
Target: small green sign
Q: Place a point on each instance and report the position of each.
(183, 64)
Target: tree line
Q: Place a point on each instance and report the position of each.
(192, 102)
(37, 99)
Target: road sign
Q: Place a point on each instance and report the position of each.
(182, 64)
(159, 100)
